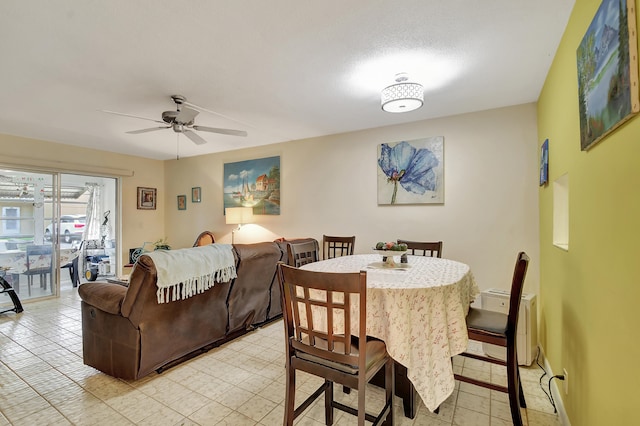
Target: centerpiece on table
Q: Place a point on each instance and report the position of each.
(389, 250)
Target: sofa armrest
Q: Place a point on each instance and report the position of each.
(104, 296)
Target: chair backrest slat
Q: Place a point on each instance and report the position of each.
(302, 253)
(433, 249)
(326, 330)
(337, 246)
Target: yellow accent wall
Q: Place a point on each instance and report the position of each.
(590, 294)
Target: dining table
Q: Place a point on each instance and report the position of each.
(418, 309)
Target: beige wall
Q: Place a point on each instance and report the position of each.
(137, 225)
(329, 187)
(590, 293)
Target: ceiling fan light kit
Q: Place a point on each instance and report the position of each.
(181, 121)
(402, 96)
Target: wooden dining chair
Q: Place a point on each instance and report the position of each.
(337, 246)
(205, 238)
(302, 253)
(500, 329)
(433, 249)
(317, 318)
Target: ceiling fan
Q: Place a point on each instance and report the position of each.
(181, 121)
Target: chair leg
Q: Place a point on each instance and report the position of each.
(523, 403)
(513, 385)
(328, 402)
(290, 397)
(362, 383)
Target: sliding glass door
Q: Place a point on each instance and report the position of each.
(26, 256)
(57, 230)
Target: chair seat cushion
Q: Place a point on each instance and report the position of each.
(376, 350)
(490, 321)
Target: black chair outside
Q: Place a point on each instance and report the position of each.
(5, 287)
(316, 348)
(500, 329)
(302, 253)
(38, 263)
(432, 249)
(73, 271)
(337, 246)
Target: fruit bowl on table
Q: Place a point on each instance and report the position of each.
(386, 253)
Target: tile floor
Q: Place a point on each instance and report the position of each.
(44, 382)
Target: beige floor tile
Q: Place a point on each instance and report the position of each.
(210, 414)
(25, 408)
(237, 419)
(47, 416)
(274, 417)
(256, 408)
(241, 382)
(473, 402)
(163, 416)
(465, 417)
(234, 397)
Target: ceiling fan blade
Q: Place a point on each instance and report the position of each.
(195, 138)
(222, 131)
(132, 116)
(152, 129)
(218, 114)
(186, 115)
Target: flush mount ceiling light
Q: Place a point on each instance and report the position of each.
(402, 96)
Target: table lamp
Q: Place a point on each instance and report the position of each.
(239, 216)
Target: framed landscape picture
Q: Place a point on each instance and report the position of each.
(253, 183)
(411, 172)
(607, 71)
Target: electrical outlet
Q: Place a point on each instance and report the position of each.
(565, 382)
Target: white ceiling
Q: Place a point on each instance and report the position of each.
(279, 69)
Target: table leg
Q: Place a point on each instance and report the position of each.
(404, 389)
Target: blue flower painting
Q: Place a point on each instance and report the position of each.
(411, 172)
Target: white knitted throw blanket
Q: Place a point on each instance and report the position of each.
(186, 272)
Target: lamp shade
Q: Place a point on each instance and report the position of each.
(402, 96)
(238, 215)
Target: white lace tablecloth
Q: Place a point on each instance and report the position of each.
(419, 313)
(15, 261)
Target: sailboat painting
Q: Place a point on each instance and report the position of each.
(253, 183)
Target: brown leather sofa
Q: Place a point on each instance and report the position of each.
(127, 334)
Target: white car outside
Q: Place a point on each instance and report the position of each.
(71, 228)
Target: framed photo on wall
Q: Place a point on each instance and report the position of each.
(146, 198)
(544, 162)
(195, 194)
(182, 202)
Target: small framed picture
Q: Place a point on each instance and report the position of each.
(544, 162)
(195, 194)
(182, 202)
(146, 198)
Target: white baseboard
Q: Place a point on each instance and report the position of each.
(555, 392)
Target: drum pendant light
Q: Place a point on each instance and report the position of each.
(402, 96)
